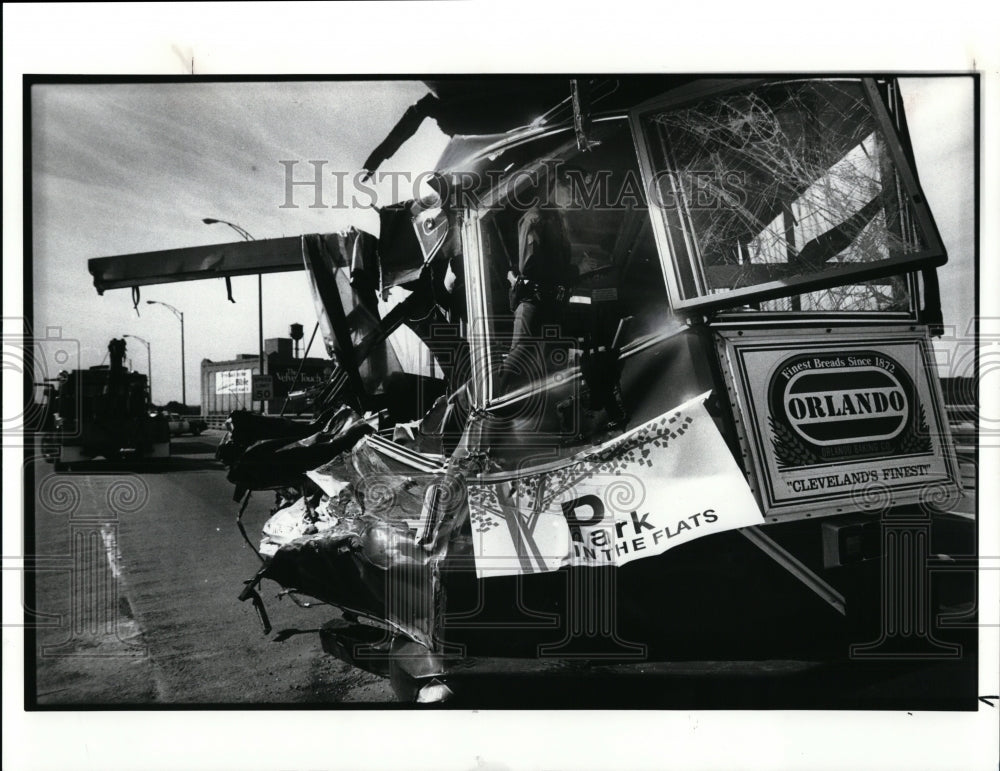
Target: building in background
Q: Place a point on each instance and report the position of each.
(226, 385)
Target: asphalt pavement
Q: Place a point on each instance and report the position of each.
(138, 570)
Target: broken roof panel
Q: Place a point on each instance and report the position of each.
(241, 258)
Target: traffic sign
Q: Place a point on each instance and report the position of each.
(263, 388)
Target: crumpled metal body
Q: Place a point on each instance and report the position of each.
(373, 542)
(282, 462)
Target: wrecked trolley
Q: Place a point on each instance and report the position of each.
(642, 377)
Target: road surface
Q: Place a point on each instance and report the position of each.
(145, 567)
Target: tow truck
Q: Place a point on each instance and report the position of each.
(733, 417)
(103, 411)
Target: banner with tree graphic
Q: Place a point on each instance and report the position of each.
(661, 484)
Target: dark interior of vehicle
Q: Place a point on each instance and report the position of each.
(618, 291)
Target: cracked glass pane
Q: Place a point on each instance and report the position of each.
(782, 182)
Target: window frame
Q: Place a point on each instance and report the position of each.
(480, 334)
(912, 313)
(842, 274)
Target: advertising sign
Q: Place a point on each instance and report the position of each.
(308, 376)
(233, 381)
(840, 422)
(297, 377)
(660, 485)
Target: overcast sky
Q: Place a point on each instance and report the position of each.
(118, 169)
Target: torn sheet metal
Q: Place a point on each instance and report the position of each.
(281, 462)
(350, 315)
(410, 234)
(373, 454)
(374, 542)
(296, 521)
(660, 485)
(346, 312)
(245, 428)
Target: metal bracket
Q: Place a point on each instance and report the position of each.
(790, 563)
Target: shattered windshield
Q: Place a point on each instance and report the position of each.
(778, 186)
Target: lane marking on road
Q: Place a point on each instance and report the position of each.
(128, 629)
(111, 550)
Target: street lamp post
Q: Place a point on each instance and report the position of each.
(149, 364)
(179, 315)
(260, 292)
